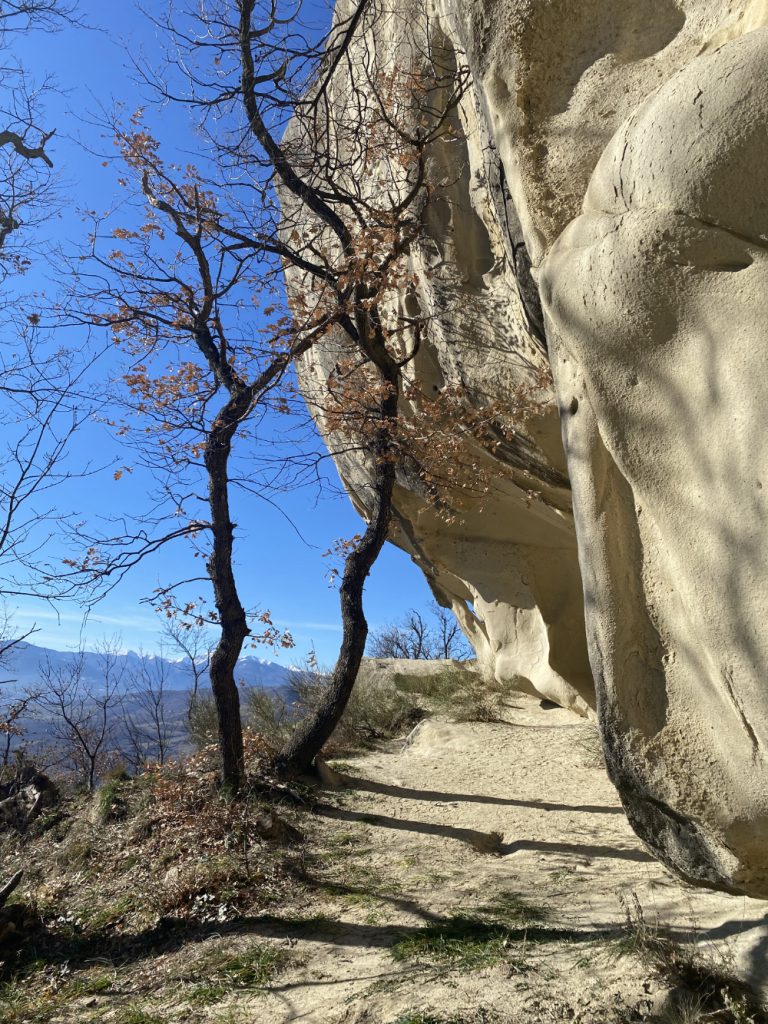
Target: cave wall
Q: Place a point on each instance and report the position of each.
(484, 337)
(635, 138)
(615, 157)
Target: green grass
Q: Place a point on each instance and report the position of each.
(110, 803)
(91, 986)
(105, 916)
(254, 968)
(464, 943)
(14, 1001)
(23, 1003)
(207, 995)
(478, 1016)
(510, 908)
(134, 1015)
(499, 931)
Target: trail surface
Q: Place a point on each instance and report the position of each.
(512, 824)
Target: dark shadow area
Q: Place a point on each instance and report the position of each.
(758, 956)
(577, 850)
(465, 835)
(341, 889)
(171, 935)
(478, 839)
(367, 786)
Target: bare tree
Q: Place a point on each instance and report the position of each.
(407, 638)
(174, 288)
(193, 641)
(25, 163)
(174, 299)
(146, 718)
(11, 724)
(39, 408)
(81, 714)
(42, 395)
(345, 240)
(14, 710)
(414, 637)
(450, 642)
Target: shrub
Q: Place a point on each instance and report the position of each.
(462, 695)
(466, 943)
(268, 712)
(590, 746)
(376, 710)
(202, 723)
(110, 804)
(703, 988)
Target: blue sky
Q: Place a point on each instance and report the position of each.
(277, 569)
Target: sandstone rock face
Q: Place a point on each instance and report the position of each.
(636, 141)
(507, 563)
(616, 154)
(663, 371)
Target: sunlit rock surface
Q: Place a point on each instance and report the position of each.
(622, 148)
(506, 562)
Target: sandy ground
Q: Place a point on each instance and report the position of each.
(408, 832)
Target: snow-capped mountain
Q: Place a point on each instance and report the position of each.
(25, 667)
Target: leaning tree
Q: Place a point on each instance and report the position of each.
(320, 170)
(329, 156)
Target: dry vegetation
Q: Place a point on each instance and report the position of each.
(156, 901)
(380, 708)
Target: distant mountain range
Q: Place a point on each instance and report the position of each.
(24, 666)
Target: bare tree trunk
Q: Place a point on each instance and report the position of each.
(310, 736)
(231, 614)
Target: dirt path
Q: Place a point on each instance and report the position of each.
(404, 860)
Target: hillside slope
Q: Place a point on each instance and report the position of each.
(476, 873)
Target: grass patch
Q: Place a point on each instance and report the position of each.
(480, 1015)
(501, 931)
(108, 915)
(254, 969)
(510, 908)
(377, 710)
(134, 1015)
(14, 1001)
(207, 994)
(460, 694)
(364, 880)
(92, 986)
(23, 1003)
(463, 943)
(110, 802)
(75, 854)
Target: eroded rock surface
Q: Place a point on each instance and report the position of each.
(658, 303)
(616, 154)
(506, 563)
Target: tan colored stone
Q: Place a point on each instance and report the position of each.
(507, 565)
(624, 147)
(658, 300)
